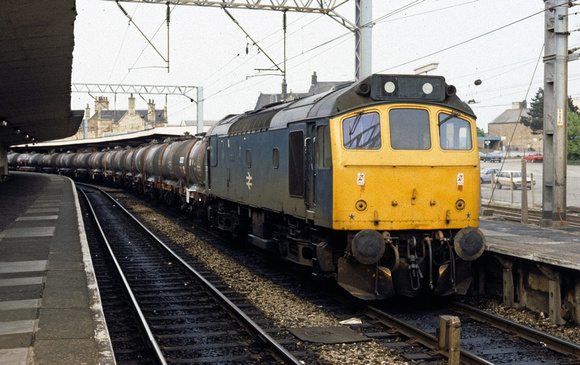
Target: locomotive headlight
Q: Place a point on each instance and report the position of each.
(460, 204)
(427, 88)
(469, 243)
(390, 87)
(368, 246)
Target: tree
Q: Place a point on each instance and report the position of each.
(574, 136)
(480, 132)
(535, 120)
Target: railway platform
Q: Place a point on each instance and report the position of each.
(50, 309)
(539, 267)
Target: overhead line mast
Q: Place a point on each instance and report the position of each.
(555, 113)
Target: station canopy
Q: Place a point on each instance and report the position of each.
(37, 40)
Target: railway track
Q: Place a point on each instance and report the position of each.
(484, 343)
(534, 216)
(182, 317)
(485, 338)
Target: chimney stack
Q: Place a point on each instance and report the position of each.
(151, 114)
(314, 79)
(131, 108)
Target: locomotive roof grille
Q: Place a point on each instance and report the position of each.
(408, 87)
(252, 122)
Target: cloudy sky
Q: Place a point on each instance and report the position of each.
(496, 41)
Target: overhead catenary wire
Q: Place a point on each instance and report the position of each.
(464, 41)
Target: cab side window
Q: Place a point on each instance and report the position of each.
(362, 131)
(454, 132)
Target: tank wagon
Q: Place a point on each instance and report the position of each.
(374, 183)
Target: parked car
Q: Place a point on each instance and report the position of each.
(492, 157)
(485, 175)
(504, 178)
(535, 157)
(481, 156)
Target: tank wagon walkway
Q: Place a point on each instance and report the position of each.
(50, 310)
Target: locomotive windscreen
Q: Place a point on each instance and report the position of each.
(408, 87)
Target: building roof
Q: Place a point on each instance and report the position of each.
(316, 87)
(512, 115)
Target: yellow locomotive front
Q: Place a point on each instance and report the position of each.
(406, 189)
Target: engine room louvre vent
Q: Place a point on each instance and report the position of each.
(252, 123)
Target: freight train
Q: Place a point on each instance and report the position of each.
(374, 183)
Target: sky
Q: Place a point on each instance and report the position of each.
(496, 41)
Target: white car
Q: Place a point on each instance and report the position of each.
(511, 178)
(485, 175)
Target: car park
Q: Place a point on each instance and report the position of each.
(485, 175)
(534, 157)
(491, 157)
(511, 178)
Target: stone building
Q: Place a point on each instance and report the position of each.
(105, 122)
(512, 133)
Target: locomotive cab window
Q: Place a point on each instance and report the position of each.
(454, 132)
(409, 129)
(362, 132)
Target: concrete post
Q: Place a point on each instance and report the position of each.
(555, 113)
(449, 337)
(363, 38)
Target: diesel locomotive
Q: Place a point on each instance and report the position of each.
(374, 183)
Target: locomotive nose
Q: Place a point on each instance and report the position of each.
(368, 246)
(469, 243)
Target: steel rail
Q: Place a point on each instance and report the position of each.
(534, 217)
(420, 336)
(150, 338)
(264, 338)
(552, 342)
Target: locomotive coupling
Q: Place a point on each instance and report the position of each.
(469, 243)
